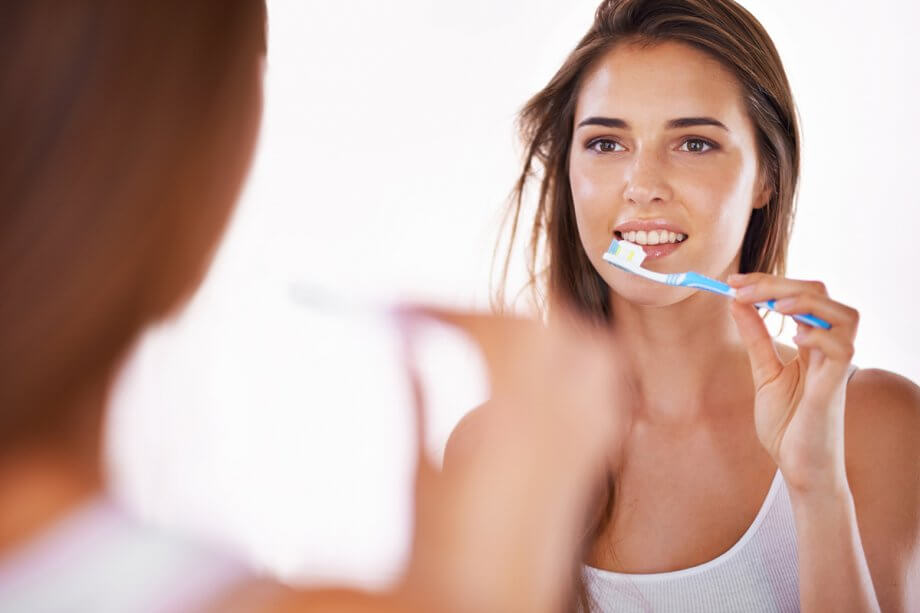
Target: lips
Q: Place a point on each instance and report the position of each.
(634, 225)
(656, 226)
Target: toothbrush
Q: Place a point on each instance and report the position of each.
(629, 256)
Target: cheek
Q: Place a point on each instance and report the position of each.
(595, 195)
(720, 196)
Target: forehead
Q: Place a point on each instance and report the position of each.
(656, 83)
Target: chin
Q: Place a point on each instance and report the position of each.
(643, 292)
(653, 298)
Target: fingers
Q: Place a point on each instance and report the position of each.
(840, 316)
(516, 350)
(832, 345)
(557, 378)
(417, 395)
(765, 362)
(793, 297)
(499, 338)
(483, 328)
(757, 287)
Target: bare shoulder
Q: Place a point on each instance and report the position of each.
(883, 468)
(883, 409)
(883, 430)
(882, 439)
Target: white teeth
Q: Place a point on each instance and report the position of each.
(652, 237)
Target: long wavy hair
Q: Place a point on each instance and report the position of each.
(559, 271)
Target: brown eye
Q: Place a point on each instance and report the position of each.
(697, 145)
(604, 145)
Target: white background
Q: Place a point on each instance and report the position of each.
(386, 155)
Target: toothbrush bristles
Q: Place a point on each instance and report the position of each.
(627, 252)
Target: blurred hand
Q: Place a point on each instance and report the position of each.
(502, 531)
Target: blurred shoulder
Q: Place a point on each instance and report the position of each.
(465, 438)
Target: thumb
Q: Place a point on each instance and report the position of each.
(765, 362)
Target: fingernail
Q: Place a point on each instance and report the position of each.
(784, 304)
(735, 278)
(747, 291)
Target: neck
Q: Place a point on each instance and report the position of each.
(46, 476)
(683, 358)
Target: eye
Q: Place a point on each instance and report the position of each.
(697, 145)
(605, 145)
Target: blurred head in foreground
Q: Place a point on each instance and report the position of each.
(126, 130)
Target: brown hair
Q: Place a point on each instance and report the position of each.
(121, 133)
(556, 261)
(558, 268)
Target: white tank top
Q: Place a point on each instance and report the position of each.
(758, 574)
(100, 559)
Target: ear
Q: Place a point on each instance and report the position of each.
(762, 193)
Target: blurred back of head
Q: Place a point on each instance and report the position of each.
(126, 129)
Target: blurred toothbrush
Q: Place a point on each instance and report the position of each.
(629, 256)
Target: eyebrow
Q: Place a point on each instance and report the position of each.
(683, 122)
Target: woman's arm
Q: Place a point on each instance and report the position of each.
(799, 414)
(883, 467)
(833, 573)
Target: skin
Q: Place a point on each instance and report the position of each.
(675, 452)
(707, 180)
(472, 550)
(743, 406)
(541, 457)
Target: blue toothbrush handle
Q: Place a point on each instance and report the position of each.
(805, 318)
(698, 281)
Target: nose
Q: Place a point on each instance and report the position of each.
(646, 181)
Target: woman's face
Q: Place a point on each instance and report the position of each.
(662, 143)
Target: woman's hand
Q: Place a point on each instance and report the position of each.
(799, 406)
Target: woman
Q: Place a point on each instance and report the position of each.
(672, 124)
(127, 131)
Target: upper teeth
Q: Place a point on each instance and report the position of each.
(652, 237)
